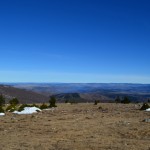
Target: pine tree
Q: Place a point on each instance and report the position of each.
(52, 101)
(2, 100)
(14, 101)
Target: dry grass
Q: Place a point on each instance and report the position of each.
(77, 127)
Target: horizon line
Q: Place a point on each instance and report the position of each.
(71, 83)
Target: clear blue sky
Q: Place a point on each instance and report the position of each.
(75, 41)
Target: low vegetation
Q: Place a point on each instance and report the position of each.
(11, 108)
(145, 106)
(124, 100)
(14, 105)
(2, 100)
(43, 106)
(21, 108)
(1, 109)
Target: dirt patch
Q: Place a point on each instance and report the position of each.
(77, 127)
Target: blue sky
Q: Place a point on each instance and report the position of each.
(75, 41)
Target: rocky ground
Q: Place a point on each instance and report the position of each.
(77, 127)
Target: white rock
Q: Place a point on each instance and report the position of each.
(146, 120)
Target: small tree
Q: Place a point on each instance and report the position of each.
(2, 100)
(52, 101)
(117, 100)
(125, 100)
(14, 101)
(96, 102)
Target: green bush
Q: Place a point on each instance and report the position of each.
(33, 105)
(43, 106)
(1, 109)
(21, 108)
(11, 108)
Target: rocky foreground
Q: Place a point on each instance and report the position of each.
(78, 127)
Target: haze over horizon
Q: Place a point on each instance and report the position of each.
(79, 41)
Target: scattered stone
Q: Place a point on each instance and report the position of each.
(146, 120)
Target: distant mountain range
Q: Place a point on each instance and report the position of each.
(84, 92)
(23, 95)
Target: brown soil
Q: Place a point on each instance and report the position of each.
(77, 127)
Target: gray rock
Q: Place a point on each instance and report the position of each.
(146, 120)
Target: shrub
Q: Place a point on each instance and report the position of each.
(21, 108)
(1, 109)
(14, 101)
(52, 102)
(43, 106)
(125, 100)
(33, 105)
(145, 106)
(11, 108)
